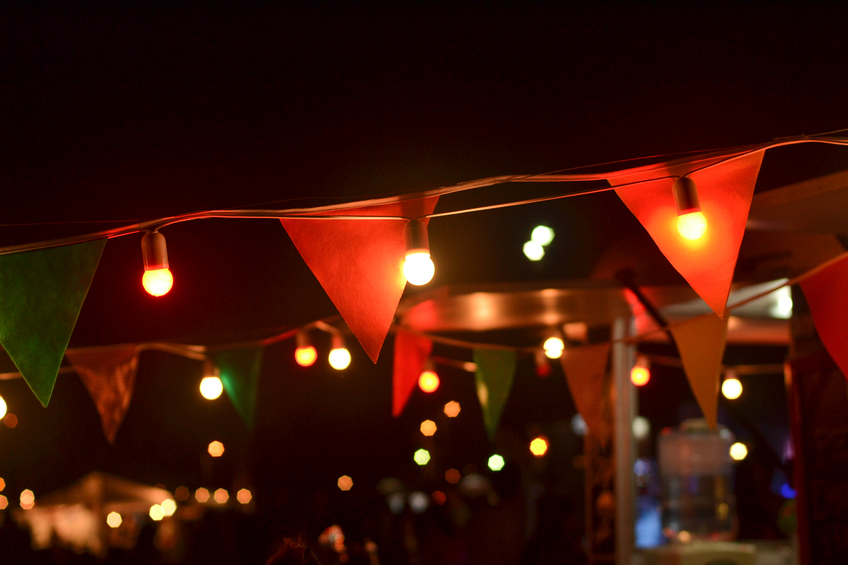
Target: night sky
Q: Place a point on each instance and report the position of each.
(113, 113)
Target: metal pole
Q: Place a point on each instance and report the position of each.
(624, 410)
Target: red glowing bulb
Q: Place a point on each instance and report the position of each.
(639, 375)
(157, 282)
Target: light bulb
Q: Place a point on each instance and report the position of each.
(640, 374)
(339, 357)
(553, 347)
(158, 282)
(692, 226)
(543, 235)
(533, 250)
(211, 387)
(731, 388)
(691, 223)
(3, 407)
(305, 355)
(428, 381)
(418, 268)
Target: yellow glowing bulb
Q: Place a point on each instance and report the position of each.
(305, 356)
(418, 268)
(156, 513)
(113, 520)
(692, 226)
(539, 446)
(731, 388)
(422, 457)
(339, 359)
(157, 282)
(738, 451)
(3, 407)
(428, 381)
(640, 375)
(169, 506)
(211, 388)
(553, 347)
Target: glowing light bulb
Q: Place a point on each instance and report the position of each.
(428, 427)
(113, 520)
(553, 347)
(305, 355)
(345, 483)
(496, 462)
(692, 226)
(452, 409)
(215, 449)
(738, 451)
(640, 374)
(169, 506)
(339, 357)
(543, 235)
(158, 282)
(244, 496)
(3, 409)
(422, 457)
(211, 387)
(418, 268)
(157, 279)
(428, 381)
(539, 446)
(201, 495)
(731, 388)
(533, 250)
(156, 513)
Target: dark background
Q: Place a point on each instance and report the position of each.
(114, 113)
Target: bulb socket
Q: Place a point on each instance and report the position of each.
(154, 251)
(686, 196)
(338, 342)
(416, 238)
(301, 339)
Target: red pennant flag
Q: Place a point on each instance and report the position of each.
(700, 342)
(359, 263)
(585, 369)
(725, 191)
(827, 298)
(411, 352)
(109, 375)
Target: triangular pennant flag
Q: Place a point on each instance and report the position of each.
(827, 298)
(359, 263)
(700, 342)
(725, 191)
(41, 293)
(411, 352)
(240, 376)
(109, 375)
(585, 370)
(495, 369)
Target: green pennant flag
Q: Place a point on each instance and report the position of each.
(41, 293)
(495, 369)
(240, 377)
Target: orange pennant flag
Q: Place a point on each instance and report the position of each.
(585, 370)
(700, 342)
(828, 302)
(359, 263)
(411, 352)
(725, 190)
(109, 375)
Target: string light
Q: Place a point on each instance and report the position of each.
(211, 386)
(731, 388)
(539, 446)
(418, 267)
(428, 381)
(640, 374)
(339, 356)
(553, 347)
(305, 355)
(496, 462)
(738, 451)
(157, 279)
(691, 222)
(3, 409)
(113, 520)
